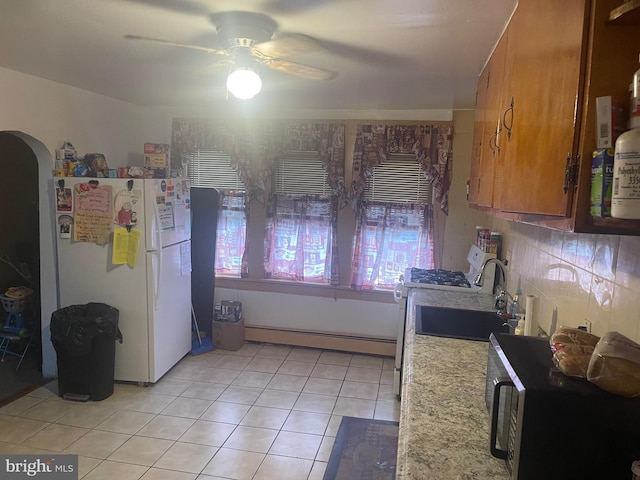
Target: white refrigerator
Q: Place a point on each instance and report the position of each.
(126, 243)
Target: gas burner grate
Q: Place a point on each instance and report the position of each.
(439, 277)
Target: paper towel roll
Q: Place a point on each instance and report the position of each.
(530, 322)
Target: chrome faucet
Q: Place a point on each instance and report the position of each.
(479, 280)
(502, 298)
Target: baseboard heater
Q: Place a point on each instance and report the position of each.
(327, 340)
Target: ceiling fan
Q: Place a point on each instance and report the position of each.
(245, 43)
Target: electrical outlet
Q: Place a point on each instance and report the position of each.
(588, 324)
(507, 259)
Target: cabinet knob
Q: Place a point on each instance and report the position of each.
(508, 112)
(493, 143)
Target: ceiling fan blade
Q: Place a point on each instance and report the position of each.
(186, 7)
(223, 65)
(287, 45)
(305, 71)
(293, 6)
(218, 65)
(177, 44)
(363, 54)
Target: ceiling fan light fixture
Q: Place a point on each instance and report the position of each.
(244, 82)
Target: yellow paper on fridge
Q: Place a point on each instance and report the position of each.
(125, 246)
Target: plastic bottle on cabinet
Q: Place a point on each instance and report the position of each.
(625, 198)
(515, 302)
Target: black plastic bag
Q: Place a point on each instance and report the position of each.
(75, 327)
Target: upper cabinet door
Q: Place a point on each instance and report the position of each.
(494, 141)
(487, 134)
(539, 117)
(478, 138)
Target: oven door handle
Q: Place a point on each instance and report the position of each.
(498, 383)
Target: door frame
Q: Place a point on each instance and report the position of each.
(49, 299)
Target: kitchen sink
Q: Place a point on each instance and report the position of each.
(458, 323)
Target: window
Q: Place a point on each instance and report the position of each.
(394, 224)
(300, 230)
(212, 169)
(399, 179)
(300, 172)
(231, 237)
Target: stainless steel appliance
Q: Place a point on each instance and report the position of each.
(437, 279)
(547, 425)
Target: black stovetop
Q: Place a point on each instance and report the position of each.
(438, 276)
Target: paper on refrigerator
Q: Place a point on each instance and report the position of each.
(125, 246)
(185, 258)
(93, 210)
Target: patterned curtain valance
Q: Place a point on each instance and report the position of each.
(254, 148)
(431, 144)
(188, 135)
(325, 138)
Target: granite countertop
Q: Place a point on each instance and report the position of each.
(444, 424)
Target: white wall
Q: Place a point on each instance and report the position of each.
(460, 228)
(52, 113)
(44, 114)
(299, 312)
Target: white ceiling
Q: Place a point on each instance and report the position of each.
(389, 54)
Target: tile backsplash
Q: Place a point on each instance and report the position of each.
(576, 277)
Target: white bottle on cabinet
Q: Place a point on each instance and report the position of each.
(625, 197)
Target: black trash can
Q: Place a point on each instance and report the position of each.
(84, 338)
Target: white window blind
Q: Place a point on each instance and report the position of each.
(211, 168)
(399, 179)
(300, 173)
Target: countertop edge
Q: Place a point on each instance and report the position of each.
(432, 411)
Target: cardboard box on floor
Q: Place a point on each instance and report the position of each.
(228, 335)
(228, 325)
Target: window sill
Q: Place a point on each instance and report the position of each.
(326, 291)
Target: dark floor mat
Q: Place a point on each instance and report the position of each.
(364, 449)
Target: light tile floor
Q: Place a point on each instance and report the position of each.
(263, 412)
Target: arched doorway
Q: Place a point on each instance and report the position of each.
(26, 206)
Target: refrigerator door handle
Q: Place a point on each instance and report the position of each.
(158, 276)
(158, 232)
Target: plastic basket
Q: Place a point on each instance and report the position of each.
(13, 305)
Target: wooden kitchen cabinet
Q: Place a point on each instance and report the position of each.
(559, 57)
(478, 139)
(485, 165)
(541, 124)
